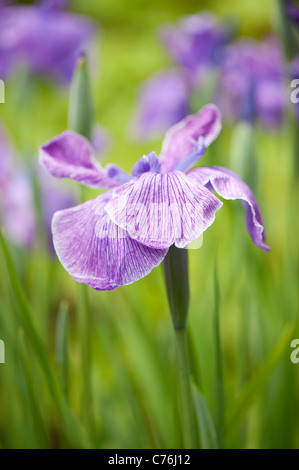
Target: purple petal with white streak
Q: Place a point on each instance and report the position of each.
(230, 186)
(70, 155)
(181, 140)
(160, 210)
(97, 252)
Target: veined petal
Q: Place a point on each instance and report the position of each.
(95, 251)
(160, 210)
(181, 139)
(70, 155)
(230, 186)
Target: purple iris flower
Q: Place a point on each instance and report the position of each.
(196, 43)
(43, 38)
(17, 208)
(162, 102)
(252, 82)
(122, 234)
(16, 197)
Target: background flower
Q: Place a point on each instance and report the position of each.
(252, 82)
(46, 40)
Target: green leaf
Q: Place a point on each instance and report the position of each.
(205, 424)
(218, 366)
(62, 345)
(74, 433)
(256, 384)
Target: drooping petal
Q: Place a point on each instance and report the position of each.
(230, 186)
(159, 210)
(181, 139)
(69, 155)
(95, 251)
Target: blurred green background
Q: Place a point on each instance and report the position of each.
(107, 379)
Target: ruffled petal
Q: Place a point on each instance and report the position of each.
(160, 210)
(181, 139)
(70, 155)
(230, 186)
(95, 251)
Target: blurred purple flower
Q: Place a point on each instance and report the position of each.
(196, 43)
(46, 40)
(162, 102)
(292, 11)
(17, 208)
(54, 4)
(16, 197)
(252, 82)
(121, 235)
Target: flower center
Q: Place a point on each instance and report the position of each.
(146, 163)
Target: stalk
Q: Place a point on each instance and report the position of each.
(177, 286)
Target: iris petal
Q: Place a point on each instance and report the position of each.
(181, 139)
(95, 251)
(160, 210)
(70, 155)
(230, 186)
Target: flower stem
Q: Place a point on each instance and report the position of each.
(184, 383)
(177, 286)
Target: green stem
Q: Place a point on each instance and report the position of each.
(177, 286)
(184, 383)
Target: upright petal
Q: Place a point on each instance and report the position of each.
(230, 186)
(69, 155)
(160, 210)
(181, 139)
(95, 251)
